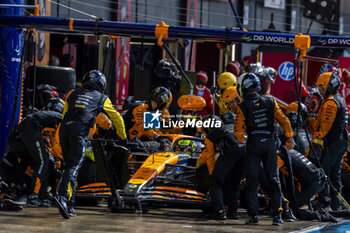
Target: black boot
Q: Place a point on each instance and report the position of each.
(46, 203)
(71, 211)
(219, 215)
(34, 201)
(9, 205)
(232, 214)
(61, 202)
(253, 220)
(45, 199)
(326, 216)
(288, 216)
(277, 220)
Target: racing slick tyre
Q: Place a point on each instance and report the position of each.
(63, 78)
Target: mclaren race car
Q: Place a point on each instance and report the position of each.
(161, 174)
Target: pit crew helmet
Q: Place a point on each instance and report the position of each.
(345, 74)
(230, 94)
(255, 68)
(55, 104)
(162, 96)
(292, 114)
(94, 80)
(202, 78)
(210, 117)
(226, 80)
(128, 102)
(233, 67)
(329, 82)
(170, 100)
(248, 83)
(337, 71)
(293, 107)
(270, 73)
(228, 118)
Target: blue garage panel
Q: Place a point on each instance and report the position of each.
(10, 58)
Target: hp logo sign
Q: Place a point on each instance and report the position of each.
(286, 71)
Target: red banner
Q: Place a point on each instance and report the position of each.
(191, 21)
(284, 86)
(122, 55)
(315, 68)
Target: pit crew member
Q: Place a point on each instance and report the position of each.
(79, 115)
(329, 135)
(259, 113)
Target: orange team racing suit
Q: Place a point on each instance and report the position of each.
(329, 129)
(134, 122)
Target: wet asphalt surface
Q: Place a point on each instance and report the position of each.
(97, 219)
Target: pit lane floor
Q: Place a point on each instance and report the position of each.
(96, 219)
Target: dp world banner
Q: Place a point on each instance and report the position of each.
(288, 39)
(124, 27)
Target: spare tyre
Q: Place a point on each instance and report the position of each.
(63, 78)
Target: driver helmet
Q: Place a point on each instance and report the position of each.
(184, 146)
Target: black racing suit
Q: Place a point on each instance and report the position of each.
(79, 115)
(300, 139)
(308, 178)
(301, 146)
(29, 145)
(259, 113)
(228, 170)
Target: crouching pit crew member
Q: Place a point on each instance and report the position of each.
(226, 171)
(297, 123)
(28, 144)
(79, 115)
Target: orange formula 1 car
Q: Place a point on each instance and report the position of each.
(162, 174)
